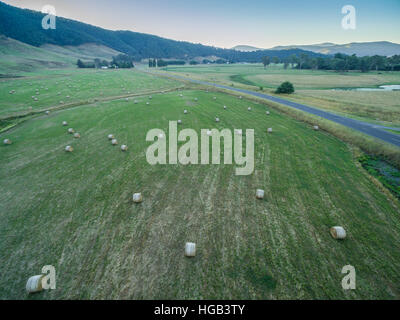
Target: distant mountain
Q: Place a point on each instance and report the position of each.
(361, 49)
(25, 26)
(246, 48)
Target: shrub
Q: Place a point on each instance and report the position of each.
(285, 87)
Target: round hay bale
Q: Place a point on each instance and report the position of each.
(34, 284)
(338, 233)
(215, 98)
(135, 102)
(190, 249)
(47, 112)
(240, 97)
(71, 131)
(260, 194)
(68, 97)
(269, 130)
(7, 141)
(147, 103)
(137, 197)
(127, 99)
(77, 135)
(65, 123)
(110, 137)
(195, 99)
(179, 121)
(216, 119)
(35, 99)
(316, 128)
(124, 147)
(249, 108)
(181, 95)
(114, 142)
(69, 149)
(224, 107)
(150, 97)
(185, 111)
(267, 113)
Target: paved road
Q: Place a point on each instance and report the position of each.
(370, 129)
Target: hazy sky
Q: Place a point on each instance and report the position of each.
(260, 23)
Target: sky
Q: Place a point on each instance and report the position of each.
(220, 23)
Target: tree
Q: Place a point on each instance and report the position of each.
(285, 87)
(80, 64)
(294, 60)
(275, 60)
(266, 61)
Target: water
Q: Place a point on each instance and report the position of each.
(392, 87)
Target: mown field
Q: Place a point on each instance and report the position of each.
(71, 86)
(74, 210)
(314, 88)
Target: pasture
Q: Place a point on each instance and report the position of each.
(313, 87)
(75, 210)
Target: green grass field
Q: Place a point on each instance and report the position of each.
(73, 86)
(74, 210)
(313, 87)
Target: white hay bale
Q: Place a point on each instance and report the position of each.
(114, 142)
(68, 97)
(150, 97)
(65, 123)
(269, 130)
(124, 147)
(77, 135)
(338, 233)
(36, 99)
(47, 112)
(147, 103)
(216, 119)
(110, 137)
(127, 99)
(135, 102)
(224, 107)
(137, 197)
(61, 102)
(34, 284)
(267, 113)
(190, 249)
(240, 97)
(249, 108)
(71, 131)
(185, 111)
(69, 149)
(195, 99)
(7, 141)
(316, 128)
(260, 194)
(215, 98)
(179, 121)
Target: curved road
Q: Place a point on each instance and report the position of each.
(370, 129)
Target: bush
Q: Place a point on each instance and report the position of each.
(285, 87)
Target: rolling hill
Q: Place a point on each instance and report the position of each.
(25, 26)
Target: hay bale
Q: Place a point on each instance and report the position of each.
(216, 119)
(61, 102)
(249, 108)
(260, 194)
(77, 135)
(150, 97)
(224, 107)
(316, 128)
(135, 102)
(127, 99)
(124, 147)
(190, 249)
(267, 113)
(69, 149)
(147, 103)
(34, 284)
(179, 121)
(47, 112)
(269, 130)
(338, 233)
(240, 97)
(71, 131)
(7, 141)
(137, 197)
(35, 99)
(195, 99)
(110, 137)
(185, 111)
(65, 123)
(114, 142)
(215, 98)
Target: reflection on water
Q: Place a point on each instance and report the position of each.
(392, 87)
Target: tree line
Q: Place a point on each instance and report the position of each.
(122, 61)
(339, 62)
